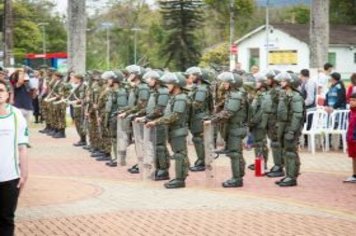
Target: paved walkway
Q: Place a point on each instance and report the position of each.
(69, 193)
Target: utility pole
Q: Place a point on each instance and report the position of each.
(44, 49)
(107, 48)
(135, 43)
(232, 35)
(319, 33)
(267, 34)
(107, 26)
(8, 39)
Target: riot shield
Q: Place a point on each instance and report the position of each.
(209, 153)
(149, 159)
(139, 144)
(122, 138)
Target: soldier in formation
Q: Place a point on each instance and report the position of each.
(107, 104)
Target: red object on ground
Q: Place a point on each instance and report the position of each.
(259, 166)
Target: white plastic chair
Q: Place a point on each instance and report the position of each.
(319, 123)
(337, 124)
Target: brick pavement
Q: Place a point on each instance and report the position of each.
(71, 194)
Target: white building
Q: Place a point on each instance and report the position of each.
(289, 49)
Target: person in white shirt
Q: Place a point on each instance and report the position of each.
(13, 160)
(323, 79)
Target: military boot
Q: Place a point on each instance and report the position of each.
(60, 134)
(105, 157)
(276, 171)
(134, 169)
(287, 182)
(82, 142)
(97, 153)
(161, 175)
(52, 132)
(87, 147)
(198, 166)
(111, 163)
(175, 183)
(233, 183)
(45, 130)
(279, 181)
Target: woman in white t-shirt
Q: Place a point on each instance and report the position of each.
(13, 160)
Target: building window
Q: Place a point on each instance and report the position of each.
(355, 58)
(332, 58)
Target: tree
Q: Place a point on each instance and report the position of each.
(77, 25)
(8, 26)
(343, 12)
(319, 33)
(27, 35)
(181, 19)
(216, 56)
(217, 13)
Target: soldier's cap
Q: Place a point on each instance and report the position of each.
(79, 76)
(135, 69)
(194, 70)
(151, 74)
(96, 72)
(108, 75)
(260, 78)
(283, 76)
(52, 69)
(58, 74)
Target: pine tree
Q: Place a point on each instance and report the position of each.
(181, 18)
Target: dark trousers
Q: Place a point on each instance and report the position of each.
(9, 194)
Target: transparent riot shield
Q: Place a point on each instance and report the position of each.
(139, 144)
(149, 159)
(209, 153)
(122, 138)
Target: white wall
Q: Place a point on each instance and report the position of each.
(278, 41)
(345, 63)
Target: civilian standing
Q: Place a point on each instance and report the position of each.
(13, 160)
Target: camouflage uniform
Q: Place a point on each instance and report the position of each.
(202, 106)
(138, 98)
(273, 98)
(258, 117)
(176, 117)
(93, 118)
(157, 103)
(234, 115)
(78, 112)
(117, 100)
(290, 118)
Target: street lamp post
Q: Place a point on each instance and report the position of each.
(267, 34)
(107, 26)
(232, 32)
(135, 43)
(43, 26)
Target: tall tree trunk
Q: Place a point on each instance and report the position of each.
(319, 33)
(77, 25)
(8, 42)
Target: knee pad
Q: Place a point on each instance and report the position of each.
(291, 155)
(197, 140)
